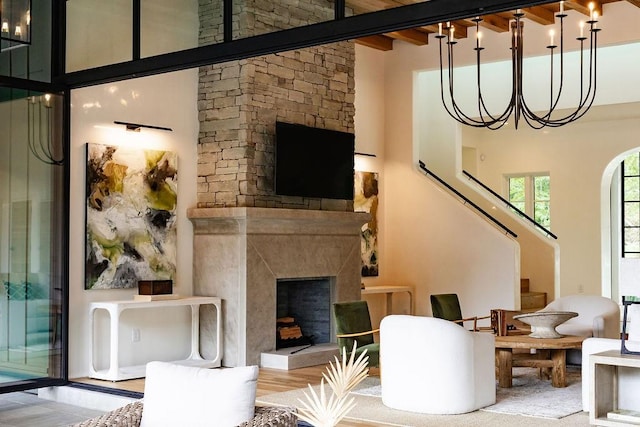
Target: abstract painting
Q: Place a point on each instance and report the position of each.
(366, 200)
(130, 216)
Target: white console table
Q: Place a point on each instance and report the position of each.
(389, 291)
(115, 308)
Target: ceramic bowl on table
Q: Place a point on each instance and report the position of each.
(543, 323)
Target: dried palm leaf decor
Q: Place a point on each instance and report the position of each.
(342, 377)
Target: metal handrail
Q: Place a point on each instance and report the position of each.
(510, 205)
(466, 200)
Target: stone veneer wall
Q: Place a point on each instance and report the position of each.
(239, 103)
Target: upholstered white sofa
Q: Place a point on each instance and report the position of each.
(597, 316)
(434, 366)
(628, 379)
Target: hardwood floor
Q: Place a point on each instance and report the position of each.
(269, 381)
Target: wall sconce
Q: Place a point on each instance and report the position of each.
(135, 127)
(16, 15)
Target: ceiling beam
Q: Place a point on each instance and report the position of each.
(582, 6)
(412, 36)
(636, 3)
(540, 14)
(376, 42)
(495, 23)
(460, 28)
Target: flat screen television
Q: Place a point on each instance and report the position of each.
(313, 162)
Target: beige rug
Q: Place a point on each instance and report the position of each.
(369, 409)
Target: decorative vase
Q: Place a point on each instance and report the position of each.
(543, 323)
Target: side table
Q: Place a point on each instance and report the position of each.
(603, 395)
(115, 372)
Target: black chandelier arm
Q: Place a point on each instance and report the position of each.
(554, 103)
(585, 102)
(458, 115)
(482, 108)
(43, 151)
(455, 111)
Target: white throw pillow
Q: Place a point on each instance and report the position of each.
(176, 395)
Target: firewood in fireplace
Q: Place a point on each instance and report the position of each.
(289, 333)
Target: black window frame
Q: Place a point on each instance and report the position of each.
(623, 203)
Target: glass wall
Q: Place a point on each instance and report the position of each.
(104, 32)
(25, 48)
(31, 236)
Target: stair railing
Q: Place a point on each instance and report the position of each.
(466, 201)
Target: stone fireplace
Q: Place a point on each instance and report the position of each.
(241, 252)
(246, 237)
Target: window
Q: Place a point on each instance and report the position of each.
(531, 194)
(630, 189)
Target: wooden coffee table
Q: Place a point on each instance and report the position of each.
(552, 353)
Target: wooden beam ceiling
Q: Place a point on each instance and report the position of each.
(498, 22)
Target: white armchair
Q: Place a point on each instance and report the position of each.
(434, 366)
(597, 316)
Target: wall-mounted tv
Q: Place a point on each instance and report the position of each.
(313, 162)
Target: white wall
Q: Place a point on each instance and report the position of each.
(431, 241)
(369, 131)
(168, 100)
(576, 158)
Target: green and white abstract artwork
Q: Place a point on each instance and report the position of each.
(131, 198)
(366, 200)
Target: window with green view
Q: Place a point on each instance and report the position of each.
(531, 194)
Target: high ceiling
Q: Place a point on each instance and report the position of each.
(544, 15)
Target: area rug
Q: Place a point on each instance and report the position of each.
(533, 397)
(514, 406)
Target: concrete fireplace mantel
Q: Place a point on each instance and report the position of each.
(240, 253)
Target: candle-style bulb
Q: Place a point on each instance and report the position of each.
(440, 29)
(551, 34)
(581, 29)
(452, 30)
(479, 37)
(561, 7)
(591, 7)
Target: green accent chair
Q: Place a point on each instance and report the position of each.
(447, 307)
(353, 323)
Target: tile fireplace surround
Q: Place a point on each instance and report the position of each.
(239, 253)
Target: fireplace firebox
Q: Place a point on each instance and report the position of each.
(303, 307)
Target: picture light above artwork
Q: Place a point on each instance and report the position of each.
(135, 127)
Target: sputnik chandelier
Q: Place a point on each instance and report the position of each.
(517, 104)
